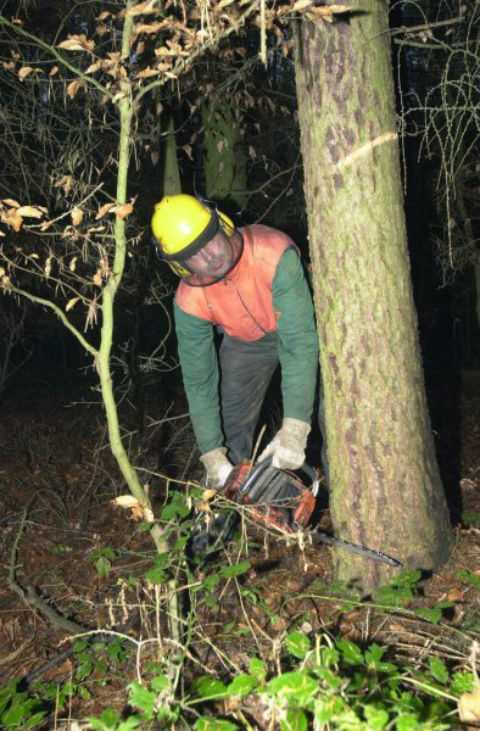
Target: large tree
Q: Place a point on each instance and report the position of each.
(386, 491)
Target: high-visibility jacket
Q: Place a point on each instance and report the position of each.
(265, 292)
(242, 303)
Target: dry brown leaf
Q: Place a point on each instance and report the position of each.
(2, 234)
(469, 706)
(77, 43)
(31, 211)
(8, 65)
(93, 67)
(76, 214)
(123, 211)
(48, 266)
(103, 15)
(103, 210)
(74, 87)
(301, 5)
(328, 12)
(53, 71)
(146, 8)
(10, 202)
(71, 304)
(73, 264)
(456, 594)
(151, 27)
(97, 278)
(65, 182)
(147, 73)
(24, 72)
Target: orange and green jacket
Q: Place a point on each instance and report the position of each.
(266, 292)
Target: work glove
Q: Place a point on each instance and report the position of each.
(287, 448)
(218, 467)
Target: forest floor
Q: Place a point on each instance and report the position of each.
(86, 558)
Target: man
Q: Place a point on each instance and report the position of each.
(249, 285)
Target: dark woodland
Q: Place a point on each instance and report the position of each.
(107, 619)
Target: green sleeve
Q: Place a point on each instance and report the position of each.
(298, 339)
(198, 361)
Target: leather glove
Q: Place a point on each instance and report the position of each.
(218, 467)
(287, 448)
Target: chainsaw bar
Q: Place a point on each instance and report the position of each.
(320, 537)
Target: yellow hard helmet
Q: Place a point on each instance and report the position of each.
(182, 225)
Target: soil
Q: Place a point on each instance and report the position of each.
(59, 478)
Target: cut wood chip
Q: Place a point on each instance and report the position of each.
(131, 503)
(469, 706)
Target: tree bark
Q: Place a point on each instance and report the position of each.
(386, 491)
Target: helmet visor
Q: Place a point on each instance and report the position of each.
(214, 260)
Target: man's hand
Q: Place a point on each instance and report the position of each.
(218, 467)
(287, 448)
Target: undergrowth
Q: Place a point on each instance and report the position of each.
(303, 678)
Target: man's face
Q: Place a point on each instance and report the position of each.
(214, 260)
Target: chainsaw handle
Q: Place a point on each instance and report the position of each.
(265, 464)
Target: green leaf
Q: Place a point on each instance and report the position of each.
(208, 687)
(84, 669)
(129, 724)
(258, 669)
(142, 698)
(407, 578)
(242, 685)
(469, 578)
(296, 720)
(438, 670)
(160, 683)
(377, 718)
(206, 723)
(326, 709)
(176, 506)
(329, 678)
(471, 518)
(351, 653)
(463, 681)
(297, 687)
(108, 719)
(408, 723)
(156, 575)
(210, 582)
(19, 712)
(236, 569)
(373, 658)
(298, 644)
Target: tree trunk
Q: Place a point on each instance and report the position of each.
(386, 491)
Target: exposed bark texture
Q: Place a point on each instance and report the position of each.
(386, 491)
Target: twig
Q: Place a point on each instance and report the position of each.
(60, 58)
(28, 594)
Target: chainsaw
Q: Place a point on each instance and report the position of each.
(276, 499)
